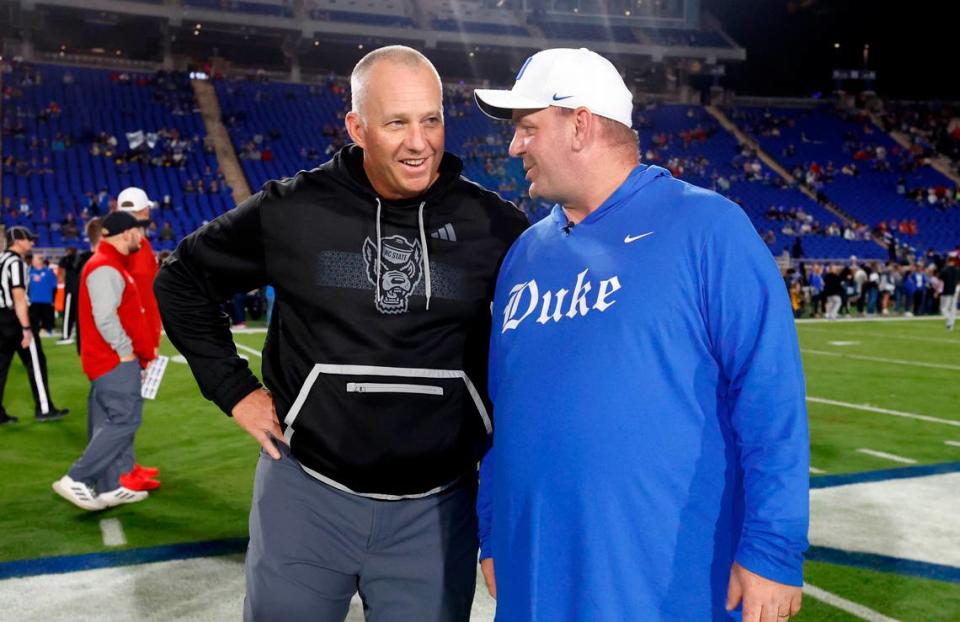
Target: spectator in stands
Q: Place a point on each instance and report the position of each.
(69, 228)
(43, 288)
(24, 209)
(796, 251)
(166, 233)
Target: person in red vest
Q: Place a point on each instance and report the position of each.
(143, 263)
(117, 344)
(143, 268)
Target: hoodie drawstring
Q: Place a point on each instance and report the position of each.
(378, 260)
(426, 254)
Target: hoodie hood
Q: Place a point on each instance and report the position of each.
(346, 167)
(641, 176)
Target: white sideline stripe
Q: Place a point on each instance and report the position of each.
(817, 471)
(256, 353)
(854, 609)
(952, 443)
(886, 456)
(944, 341)
(882, 411)
(112, 532)
(878, 359)
(925, 318)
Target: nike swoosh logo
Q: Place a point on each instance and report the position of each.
(634, 238)
(556, 99)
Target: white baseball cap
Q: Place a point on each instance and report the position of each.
(133, 200)
(566, 78)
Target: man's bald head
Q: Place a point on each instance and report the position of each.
(398, 54)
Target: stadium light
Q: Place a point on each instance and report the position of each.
(836, 46)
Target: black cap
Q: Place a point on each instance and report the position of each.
(19, 233)
(116, 223)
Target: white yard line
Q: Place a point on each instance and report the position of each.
(256, 353)
(952, 443)
(817, 471)
(877, 359)
(857, 333)
(884, 455)
(882, 411)
(112, 532)
(854, 609)
(925, 318)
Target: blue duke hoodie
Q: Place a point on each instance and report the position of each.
(650, 423)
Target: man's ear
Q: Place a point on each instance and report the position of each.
(355, 128)
(584, 127)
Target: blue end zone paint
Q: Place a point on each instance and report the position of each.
(828, 481)
(129, 557)
(882, 563)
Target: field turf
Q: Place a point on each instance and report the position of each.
(207, 462)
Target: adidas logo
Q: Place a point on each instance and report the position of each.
(445, 232)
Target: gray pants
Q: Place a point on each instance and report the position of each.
(312, 547)
(114, 411)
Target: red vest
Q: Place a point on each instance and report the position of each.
(142, 266)
(96, 355)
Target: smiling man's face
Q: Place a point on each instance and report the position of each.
(400, 129)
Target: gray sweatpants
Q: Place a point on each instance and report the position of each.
(312, 547)
(114, 411)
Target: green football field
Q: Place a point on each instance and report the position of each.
(887, 387)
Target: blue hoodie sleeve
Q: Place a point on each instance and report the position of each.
(754, 339)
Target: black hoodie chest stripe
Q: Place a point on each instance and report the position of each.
(347, 270)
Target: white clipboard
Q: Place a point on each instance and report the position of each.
(152, 376)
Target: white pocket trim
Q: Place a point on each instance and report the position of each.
(375, 370)
(385, 387)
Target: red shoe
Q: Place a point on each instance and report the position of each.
(145, 471)
(134, 481)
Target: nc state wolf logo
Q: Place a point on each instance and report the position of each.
(400, 271)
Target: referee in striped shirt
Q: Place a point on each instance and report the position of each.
(16, 332)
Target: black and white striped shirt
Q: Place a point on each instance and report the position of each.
(13, 274)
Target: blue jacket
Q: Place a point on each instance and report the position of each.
(43, 285)
(650, 419)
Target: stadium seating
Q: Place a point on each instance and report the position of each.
(800, 138)
(279, 129)
(92, 101)
(756, 197)
(243, 6)
(678, 37)
(490, 28)
(357, 17)
(588, 32)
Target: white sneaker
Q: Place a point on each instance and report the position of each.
(78, 494)
(120, 496)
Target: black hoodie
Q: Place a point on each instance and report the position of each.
(377, 369)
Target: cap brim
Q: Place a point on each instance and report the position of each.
(144, 222)
(500, 104)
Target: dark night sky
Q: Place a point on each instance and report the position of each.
(790, 45)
